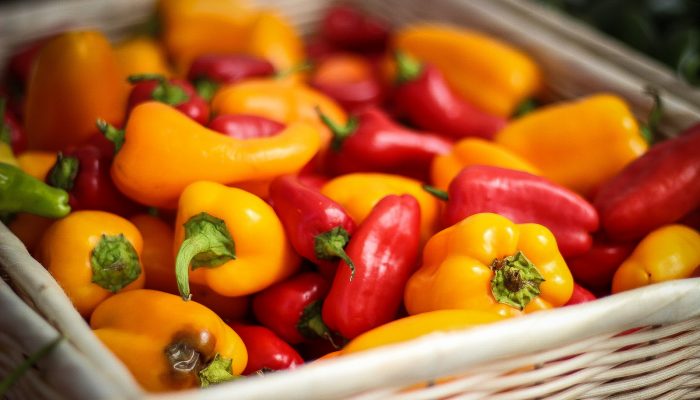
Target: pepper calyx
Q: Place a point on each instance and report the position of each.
(340, 133)
(408, 69)
(218, 371)
(114, 262)
(516, 280)
(311, 323)
(62, 174)
(331, 243)
(114, 135)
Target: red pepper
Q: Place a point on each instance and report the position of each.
(424, 96)
(266, 351)
(523, 198)
(349, 79)
(11, 131)
(175, 92)
(385, 249)
(596, 267)
(211, 70)
(372, 142)
(292, 308)
(241, 126)
(656, 189)
(84, 172)
(351, 29)
(580, 295)
(317, 226)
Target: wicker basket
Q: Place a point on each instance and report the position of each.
(575, 352)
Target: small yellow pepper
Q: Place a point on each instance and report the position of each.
(92, 255)
(486, 262)
(166, 343)
(142, 55)
(578, 144)
(669, 252)
(233, 240)
(359, 192)
(37, 163)
(473, 151)
(485, 71)
(275, 39)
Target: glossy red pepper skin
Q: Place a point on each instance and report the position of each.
(266, 351)
(580, 295)
(84, 172)
(385, 249)
(317, 226)
(291, 308)
(424, 97)
(228, 68)
(241, 126)
(351, 29)
(523, 198)
(658, 188)
(186, 100)
(375, 143)
(11, 130)
(595, 268)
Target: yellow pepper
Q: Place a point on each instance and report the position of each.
(92, 255)
(578, 144)
(275, 39)
(37, 163)
(166, 343)
(235, 236)
(486, 262)
(142, 55)
(669, 252)
(359, 192)
(489, 73)
(164, 151)
(473, 151)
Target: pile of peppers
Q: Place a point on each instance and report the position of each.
(267, 201)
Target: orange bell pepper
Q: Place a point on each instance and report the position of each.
(75, 80)
(358, 193)
(496, 83)
(578, 144)
(92, 255)
(157, 254)
(174, 345)
(486, 262)
(164, 151)
(37, 163)
(473, 151)
(669, 252)
(142, 55)
(234, 234)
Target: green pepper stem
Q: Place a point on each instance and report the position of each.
(650, 128)
(438, 193)
(62, 174)
(311, 323)
(407, 68)
(525, 107)
(9, 381)
(219, 370)
(114, 262)
(206, 88)
(114, 135)
(516, 280)
(331, 243)
(340, 133)
(145, 77)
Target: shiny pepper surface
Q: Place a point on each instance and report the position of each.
(233, 240)
(486, 262)
(93, 255)
(174, 345)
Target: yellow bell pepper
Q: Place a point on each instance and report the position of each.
(235, 235)
(166, 343)
(92, 255)
(669, 252)
(485, 71)
(578, 144)
(358, 193)
(473, 151)
(142, 55)
(486, 262)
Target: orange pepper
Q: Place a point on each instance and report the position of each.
(166, 343)
(37, 163)
(275, 39)
(473, 151)
(157, 254)
(164, 151)
(92, 255)
(578, 144)
(142, 55)
(75, 80)
(483, 70)
(342, 68)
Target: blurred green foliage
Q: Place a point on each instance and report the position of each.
(668, 30)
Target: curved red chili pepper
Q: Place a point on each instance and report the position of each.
(266, 351)
(211, 70)
(175, 92)
(11, 131)
(241, 126)
(658, 188)
(580, 295)
(292, 308)
(84, 173)
(317, 226)
(385, 249)
(373, 142)
(424, 96)
(351, 29)
(523, 198)
(596, 267)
